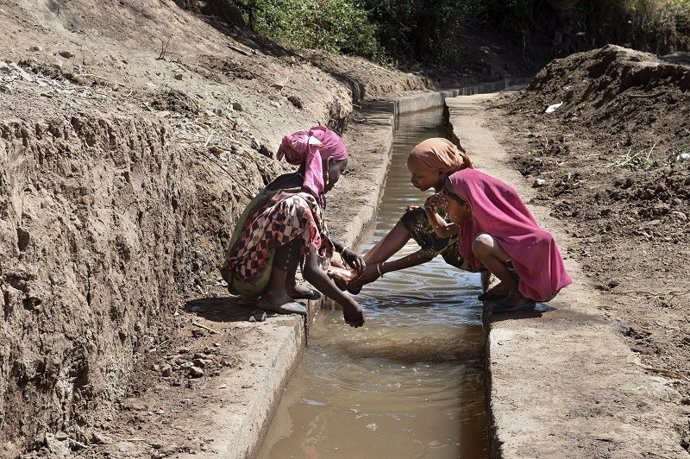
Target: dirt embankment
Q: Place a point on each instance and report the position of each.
(613, 161)
(131, 137)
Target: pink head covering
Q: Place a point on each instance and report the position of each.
(498, 210)
(310, 148)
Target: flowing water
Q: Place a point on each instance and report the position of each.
(410, 382)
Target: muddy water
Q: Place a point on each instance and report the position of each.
(408, 384)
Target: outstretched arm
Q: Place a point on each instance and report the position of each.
(319, 279)
(374, 271)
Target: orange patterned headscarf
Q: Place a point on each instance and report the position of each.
(438, 155)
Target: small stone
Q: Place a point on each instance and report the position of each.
(35, 48)
(23, 239)
(538, 183)
(296, 101)
(264, 150)
(200, 363)
(179, 76)
(680, 215)
(252, 319)
(100, 439)
(196, 372)
(66, 54)
(166, 370)
(155, 367)
(260, 317)
(237, 106)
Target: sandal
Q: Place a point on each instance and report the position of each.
(293, 307)
(492, 296)
(507, 308)
(310, 295)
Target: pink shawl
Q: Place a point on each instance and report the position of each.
(498, 210)
(310, 148)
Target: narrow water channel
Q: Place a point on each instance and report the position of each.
(410, 383)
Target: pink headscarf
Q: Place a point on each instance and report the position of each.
(310, 148)
(498, 210)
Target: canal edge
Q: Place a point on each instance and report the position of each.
(239, 427)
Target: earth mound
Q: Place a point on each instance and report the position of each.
(631, 154)
(604, 136)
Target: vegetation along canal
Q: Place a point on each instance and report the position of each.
(408, 384)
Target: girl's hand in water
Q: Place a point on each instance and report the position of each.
(354, 260)
(353, 315)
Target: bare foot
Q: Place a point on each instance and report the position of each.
(513, 299)
(277, 298)
(499, 292)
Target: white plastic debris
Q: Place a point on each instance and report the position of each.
(680, 157)
(553, 108)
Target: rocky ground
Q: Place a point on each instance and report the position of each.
(613, 162)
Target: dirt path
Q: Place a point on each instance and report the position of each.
(563, 382)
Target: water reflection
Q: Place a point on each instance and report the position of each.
(408, 384)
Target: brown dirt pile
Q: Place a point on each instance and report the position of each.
(613, 161)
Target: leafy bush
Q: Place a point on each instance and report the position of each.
(339, 26)
(423, 31)
(433, 33)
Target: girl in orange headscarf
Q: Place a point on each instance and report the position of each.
(430, 163)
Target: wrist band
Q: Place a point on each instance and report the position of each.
(378, 269)
(343, 250)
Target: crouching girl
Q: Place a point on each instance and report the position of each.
(284, 227)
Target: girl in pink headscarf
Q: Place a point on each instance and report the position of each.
(285, 225)
(500, 234)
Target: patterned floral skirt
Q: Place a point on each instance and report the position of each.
(271, 220)
(417, 224)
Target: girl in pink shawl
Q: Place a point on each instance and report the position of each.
(500, 233)
(284, 225)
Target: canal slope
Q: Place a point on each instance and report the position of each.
(561, 382)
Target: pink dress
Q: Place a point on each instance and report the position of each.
(498, 210)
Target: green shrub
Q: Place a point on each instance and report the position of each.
(339, 26)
